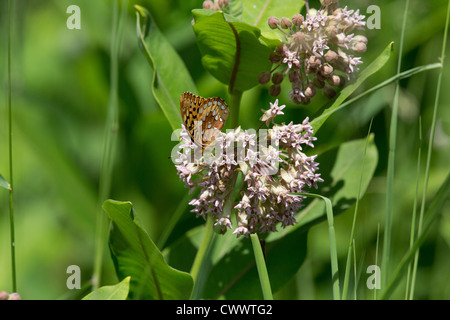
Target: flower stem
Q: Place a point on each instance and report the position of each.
(235, 106)
(11, 206)
(261, 266)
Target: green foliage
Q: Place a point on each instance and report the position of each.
(231, 50)
(60, 82)
(166, 65)
(114, 292)
(134, 254)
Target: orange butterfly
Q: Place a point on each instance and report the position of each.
(202, 117)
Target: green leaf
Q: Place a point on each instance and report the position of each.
(257, 12)
(231, 51)
(115, 292)
(344, 180)
(4, 183)
(376, 65)
(170, 76)
(134, 254)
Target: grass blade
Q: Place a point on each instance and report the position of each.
(261, 266)
(109, 142)
(410, 288)
(432, 213)
(391, 163)
(333, 247)
(352, 233)
(10, 154)
(430, 145)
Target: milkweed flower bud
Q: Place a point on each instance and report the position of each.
(317, 48)
(273, 22)
(286, 23)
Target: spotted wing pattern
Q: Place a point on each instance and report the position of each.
(202, 117)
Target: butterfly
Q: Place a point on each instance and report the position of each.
(202, 117)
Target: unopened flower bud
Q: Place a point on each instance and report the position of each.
(275, 57)
(294, 76)
(264, 77)
(299, 38)
(208, 4)
(222, 3)
(286, 23)
(310, 91)
(273, 22)
(277, 78)
(319, 83)
(314, 62)
(331, 56)
(4, 295)
(329, 92)
(359, 47)
(14, 296)
(341, 82)
(360, 38)
(297, 20)
(274, 90)
(334, 80)
(327, 2)
(326, 70)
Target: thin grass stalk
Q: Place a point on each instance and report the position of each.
(200, 267)
(354, 269)
(262, 268)
(332, 239)
(391, 162)
(432, 214)
(376, 258)
(414, 214)
(430, 148)
(10, 156)
(355, 214)
(109, 142)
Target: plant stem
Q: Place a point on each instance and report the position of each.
(235, 106)
(261, 266)
(10, 145)
(391, 163)
(109, 143)
(430, 147)
(413, 219)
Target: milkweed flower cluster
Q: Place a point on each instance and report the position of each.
(272, 163)
(319, 51)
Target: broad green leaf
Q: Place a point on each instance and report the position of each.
(4, 183)
(134, 254)
(257, 12)
(376, 65)
(115, 292)
(344, 180)
(170, 76)
(231, 51)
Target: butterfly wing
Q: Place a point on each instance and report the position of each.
(202, 117)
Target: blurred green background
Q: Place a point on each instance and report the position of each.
(60, 95)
